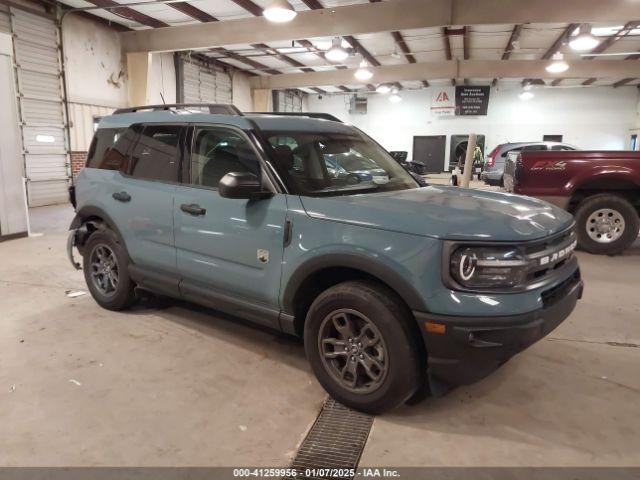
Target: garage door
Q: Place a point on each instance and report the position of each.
(38, 74)
(5, 27)
(289, 101)
(203, 83)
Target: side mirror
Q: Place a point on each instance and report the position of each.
(241, 185)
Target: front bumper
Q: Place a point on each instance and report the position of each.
(462, 350)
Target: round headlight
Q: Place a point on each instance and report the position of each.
(467, 265)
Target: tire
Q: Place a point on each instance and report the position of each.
(112, 295)
(620, 227)
(377, 316)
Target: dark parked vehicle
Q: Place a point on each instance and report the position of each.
(391, 285)
(494, 166)
(600, 188)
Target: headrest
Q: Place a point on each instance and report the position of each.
(283, 157)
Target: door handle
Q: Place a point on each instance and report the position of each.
(122, 196)
(193, 209)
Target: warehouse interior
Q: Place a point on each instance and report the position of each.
(168, 383)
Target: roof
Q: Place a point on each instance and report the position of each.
(264, 122)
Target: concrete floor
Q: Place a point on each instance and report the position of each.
(181, 385)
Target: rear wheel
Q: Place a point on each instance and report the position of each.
(361, 347)
(105, 265)
(607, 224)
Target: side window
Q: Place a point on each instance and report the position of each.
(507, 152)
(561, 147)
(156, 155)
(117, 156)
(105, 139)
(216, 152)
(531, 148)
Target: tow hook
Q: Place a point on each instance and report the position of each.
(71, 242)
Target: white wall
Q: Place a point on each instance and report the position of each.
(96, 72)
(95, 66)
(241, 90)
(591, 118)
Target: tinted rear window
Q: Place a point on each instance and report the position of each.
(155, 156)
(103, 140)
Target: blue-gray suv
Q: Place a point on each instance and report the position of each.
(391, 285)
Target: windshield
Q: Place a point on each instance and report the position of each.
(316, 164)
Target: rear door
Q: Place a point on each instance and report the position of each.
(143, 197)
(229, 251)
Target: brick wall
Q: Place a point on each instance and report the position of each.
(78, 159)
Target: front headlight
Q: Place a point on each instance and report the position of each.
(486, 268)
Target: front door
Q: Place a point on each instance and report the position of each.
(429, 150)
(229, 250)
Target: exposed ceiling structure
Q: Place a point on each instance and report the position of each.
(479, 50)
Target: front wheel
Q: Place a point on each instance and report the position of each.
(606, 224)
(360, 343)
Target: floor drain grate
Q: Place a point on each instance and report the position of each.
(335, 442)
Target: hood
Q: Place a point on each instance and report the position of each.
(445, 212)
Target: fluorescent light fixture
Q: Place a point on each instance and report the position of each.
(336, 53)
(279, 11)
(363, 73)
(525, 94)
(383, 88)
(558, 65)
(584, 41)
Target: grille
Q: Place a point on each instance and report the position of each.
(335, 441)
(549, 255)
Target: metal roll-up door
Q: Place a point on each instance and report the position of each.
(289, 101)
(203, 83)
(38, 74)
(5, 24)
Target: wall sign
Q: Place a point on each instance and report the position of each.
(463, 100)
(443, 102)
(471, 100)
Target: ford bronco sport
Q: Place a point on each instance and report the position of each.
(390, 284)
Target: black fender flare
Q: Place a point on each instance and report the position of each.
(385, 274)
(90, 211)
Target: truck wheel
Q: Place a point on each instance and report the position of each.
(606, 223)
(105, 264)
(361, 346)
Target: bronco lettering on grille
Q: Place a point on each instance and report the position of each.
(559, 255)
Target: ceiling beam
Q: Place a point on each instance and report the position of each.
(446, 44)
(553, 49)
(129, 14)
(515, 36)
(374, 17)
(456, 69)
(622, 82)
(606, 44)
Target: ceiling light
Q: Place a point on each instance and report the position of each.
(336, 53)
(279, 11)
(383, 88)
(558, 65)
(363, 73)
(584, 41)
(525, 94)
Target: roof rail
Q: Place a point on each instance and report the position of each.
(320, 115)
(214, 108)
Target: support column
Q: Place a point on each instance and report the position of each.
(262, 100)
(139, 71)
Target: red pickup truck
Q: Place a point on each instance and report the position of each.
(600, 188)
